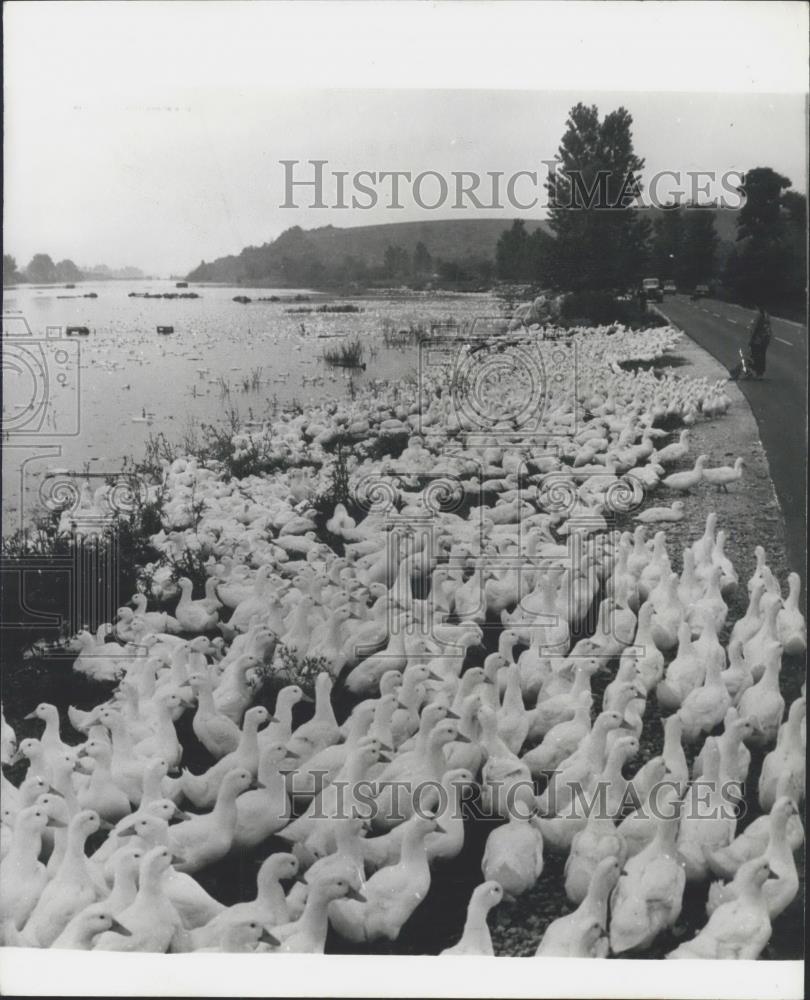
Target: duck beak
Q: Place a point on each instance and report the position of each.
(271, 718)
(56, 823)
(626, 725)
(105, 825)
(120, 929)
(385, 748)
(180, 816)
(439, 828)
(307, 698)
(451, 714)
(293, 755)
(461, 738)
(31, 715)
(267, 938)
(772, 873)
(178, 859)
(256, 784)
(174, 772)
(433, 676)
(357, 896)
(488, 680)
(385, 758)
(623, 871)
(128, 832)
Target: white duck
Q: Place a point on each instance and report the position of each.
(193, 616)
(709, 819)
(764, 700)
(392, 893)
(739, 929)
(72, 887)
(152, 921)
(791, 626)
(786, 764)
(683, 482)
(269, 906)
(475, 938)
(513, 855)
(263, 811)
(649, 895)
(22, 874)
(723, 475)
(781, 888)
(204, 839)
(583, 933)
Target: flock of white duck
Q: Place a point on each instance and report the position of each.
(387, 606)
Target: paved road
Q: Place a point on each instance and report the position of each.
(779, 401)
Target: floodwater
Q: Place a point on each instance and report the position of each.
(71, 403)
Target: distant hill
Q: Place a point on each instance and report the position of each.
(725, 221)
(286, 260)
(331, 256)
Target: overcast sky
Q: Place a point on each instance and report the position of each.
(151, 134)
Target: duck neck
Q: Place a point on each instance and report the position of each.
(513, 697)
(249, 740)
(324, 712)
(74, 863)
(25, 848)
(475, 926)
(224, 811)
(315, 918)
(150, 889)
(283, 713)
(414, 853)
(124, 890)
(205, 700)
(270, 895)
(596, 898)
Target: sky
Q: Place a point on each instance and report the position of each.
(151, 134)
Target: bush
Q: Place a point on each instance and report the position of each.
(588, 308)
(349, 354)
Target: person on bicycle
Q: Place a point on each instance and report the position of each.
(760, 338)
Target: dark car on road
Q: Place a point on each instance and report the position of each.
(653, 292)
(699, 292)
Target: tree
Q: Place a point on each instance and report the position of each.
(666, 253)
(396, 262)
(600, 237)
(511, 253)
(422, 261)
(66, 270)
(696, 262)
(768, 264)
(10, 273)
(41, 270)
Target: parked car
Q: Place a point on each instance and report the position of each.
(699, 292)
(652, 289)
(670, 288)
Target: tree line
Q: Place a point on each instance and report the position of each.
(417, 269)
(41, 270)
(589, 248)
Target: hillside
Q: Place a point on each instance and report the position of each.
(357, 255)
(287, 260)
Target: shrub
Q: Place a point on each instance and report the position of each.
(349, 354)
